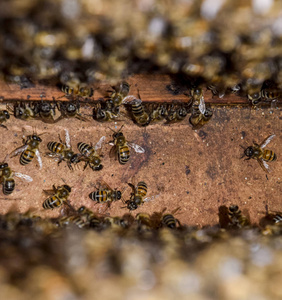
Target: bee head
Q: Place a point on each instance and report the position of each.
(36, 138)
(3, 166)
(97, 168)
(249, 152)
(45, 107)
(74, 158)
(233, 208)
(81, 209)
(131, 205)
(71, 108)
(118, 195)
(67, 187)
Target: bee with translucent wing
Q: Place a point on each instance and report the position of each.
(260, 154)
(59, 196)
(91, 155)
(29, 150)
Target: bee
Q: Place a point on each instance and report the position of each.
(105, 194)
(73, 87)
(46, 111)
(29, 150)
(7, 178)
(140, 116)
(63, 151)
(73, 219)
(254, 95)
(144, 221)
(90, 154)
(200, 113)
(176, 113)
(169, 220)
(22, 111)
(260, 154)
(270, 94)
(70, 110)
(92, 219)
(60, 196)
(105, 112)
(236, 217)
(138, 194)
(120, 148)
(158, 111)
(119, 94)
(4, 116)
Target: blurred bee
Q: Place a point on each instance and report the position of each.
(138, 194)
(176, 113)
(63, 151)
(254, 95)
(7, 178)
(90, 154)
(93, 220)
(158, 111)
(119, 94)
(4, 116)
(29, 150)
(169, 220)
(73, 219)
(116, 222)
(23, 111)
(60, 196)
(200, 113)
(105, 194)
(120, 148)
(270, 94)
(70, 110)
(46, 111)
(260, 154)
(144, 221)
(236, 217)
(73, 87)
(140, 116)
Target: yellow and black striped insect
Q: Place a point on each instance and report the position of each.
(4, 116)
(140, 116)
(237, 219)
(92, 219)
(169, 220)
(23, 111)
(262, 155)
(144, 222)
(63, 151)
(70, 110)
(176, 113)
(91, 154)
(138, 194)
(29, 150)
(119, 94)
(120, 149)
(45, 111)
(73, 87)
(60, 195)
(73, 219)
(105, 194)
(270, 94)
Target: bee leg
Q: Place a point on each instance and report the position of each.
(86, 164)
(1, 125)
(60, 139)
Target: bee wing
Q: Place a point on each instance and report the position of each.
(264, 165)
(37, 153)
(267, 141)
(202, 105)
(18, 150)
(104, 184)
(67, 138)
(128, 99)
(147, 199)
(23, 176)
(136, 147)
(99, 144)
(48, 192)
(113, 151)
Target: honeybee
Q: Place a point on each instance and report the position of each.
(119, 94)
(254, 95)
(105, 194)
(140, 116)
(144, 221)
(29, 150)
(116, 222)
(236, 217)
(73, 87)
(200, 113)
(91, 155)
(4, 116)
(270, 94)
(70, 110)
(169, 220)
(260, 154)
(63, 151)
(7, 180)
(120, 148)
(73, 219)
(23, 111)
(60, 195)
(137, 196)
(176, 113)
(158, 111)
(93, 220)
(105, 112)
(46, 111)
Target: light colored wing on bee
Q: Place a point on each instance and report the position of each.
(18, 150)
(23, 176)
(67, 138)
(267, 141)
(147, 199)
(99, 144)
(55, 156)
(136, 147)
(128, 99)
(49, 192)
(104, 185)
(202, 105)
(113, 152)
(264, 165)
(37, 153)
